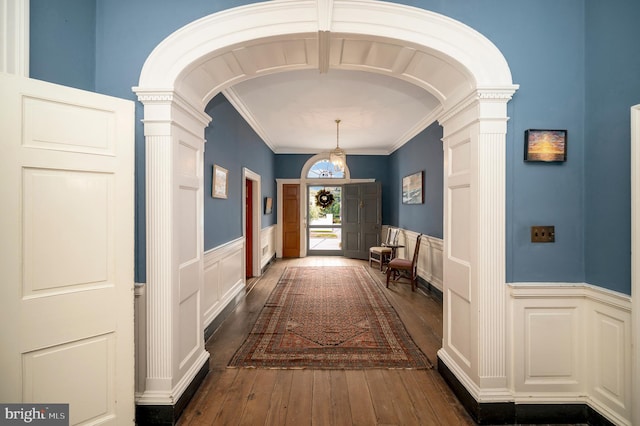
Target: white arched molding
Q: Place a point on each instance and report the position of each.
(421, 41)
(473, 84)
(174, 148)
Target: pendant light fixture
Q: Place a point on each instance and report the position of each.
(338, 156)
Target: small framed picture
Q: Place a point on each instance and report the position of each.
(412, 189)
(220, 185)
(545, 145)
(268, 205)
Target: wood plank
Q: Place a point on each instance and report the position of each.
(382, 402)
(341, 409)
(206, 409)
(237, 396)
(300, 399)
(321, 410)
(362, 412)
(417, 400)
(442, 399)
(402, 404)
(279, 400)
(258, 402)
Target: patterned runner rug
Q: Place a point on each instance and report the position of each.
(331, 318)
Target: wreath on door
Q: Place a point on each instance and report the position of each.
(324, 198)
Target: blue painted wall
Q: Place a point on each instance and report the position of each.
(613, 86)
(232, 144)
(576, 66)
(63, 42)
(422, 153)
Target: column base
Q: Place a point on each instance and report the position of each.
(168, 414)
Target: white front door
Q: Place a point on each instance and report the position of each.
(66, 258)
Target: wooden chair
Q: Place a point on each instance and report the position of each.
(398, 267)
(383, 253)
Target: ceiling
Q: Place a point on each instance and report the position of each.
(295, 111)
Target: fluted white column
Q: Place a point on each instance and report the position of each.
(160, 246)
(491, 262)
(160, 265)
(491, 280)
(14, 37)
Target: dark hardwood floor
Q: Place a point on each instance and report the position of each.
(230, 396)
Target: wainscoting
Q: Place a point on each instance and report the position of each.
(223, 278)
(571, 343)
(268, 245)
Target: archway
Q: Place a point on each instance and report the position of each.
(473, 86)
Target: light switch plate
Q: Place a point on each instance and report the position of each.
(543, 234)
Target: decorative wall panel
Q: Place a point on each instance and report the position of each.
(223, 278)
(572, 344)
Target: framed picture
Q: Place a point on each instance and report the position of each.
(268, 205)
(412, 189)
(220, 185)
(545, 145)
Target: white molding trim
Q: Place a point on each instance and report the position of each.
(14, 37)
(256, 244)
(635, 257)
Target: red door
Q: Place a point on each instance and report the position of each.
(249, 227)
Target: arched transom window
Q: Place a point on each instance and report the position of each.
(324, 169)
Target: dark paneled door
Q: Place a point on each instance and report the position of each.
(362, 218)
(291, 220)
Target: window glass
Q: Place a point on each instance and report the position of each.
(324, 169)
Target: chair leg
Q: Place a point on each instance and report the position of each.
(388, 276)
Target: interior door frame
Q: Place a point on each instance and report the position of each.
(635, 261)
(248, 174)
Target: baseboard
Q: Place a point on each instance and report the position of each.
(427, 287)
(226, 311)
(167, 415)
(268, 264)
(503, 413)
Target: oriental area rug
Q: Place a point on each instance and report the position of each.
(329, 318)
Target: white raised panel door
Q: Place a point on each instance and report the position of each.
(66, 259)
